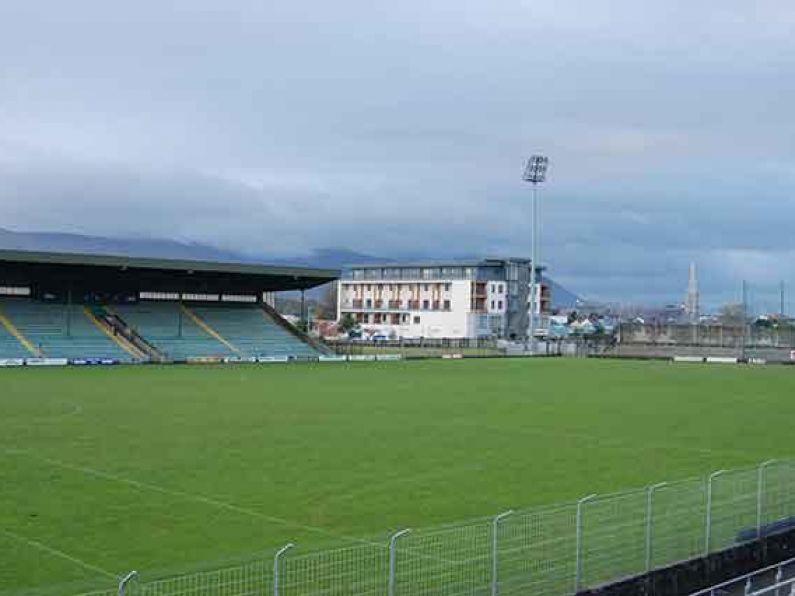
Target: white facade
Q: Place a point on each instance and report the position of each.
(461, 305)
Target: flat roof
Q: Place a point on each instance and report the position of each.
(310, 276)
(484, 262)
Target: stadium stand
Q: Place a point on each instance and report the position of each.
(10, 346)
(253, 332)
(171, 330)
(59, 331)
(775, 580)
(89, 309)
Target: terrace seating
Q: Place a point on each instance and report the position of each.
(61, 331)
(10, 346)
(170, 330)
(57, 331)
(253, 331)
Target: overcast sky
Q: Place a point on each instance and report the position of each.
(394, 128)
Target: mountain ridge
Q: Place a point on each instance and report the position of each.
(330, 257)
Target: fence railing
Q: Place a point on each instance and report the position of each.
(768, 580)
(548, 551)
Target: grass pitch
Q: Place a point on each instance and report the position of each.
(170, 469)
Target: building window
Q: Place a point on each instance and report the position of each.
(416, 320)
(392, 273)
(451, 272)
(238, 298)
(14, 291)
(369, 303)
(425, 304)
(447, 305)
(500, 290)
(405, 318)
(158, 296)
(430, 273)
(499, 304)
(201, 297)
(446, 287)
(492, 304)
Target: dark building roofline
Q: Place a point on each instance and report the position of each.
(484, 262)
(305, 276)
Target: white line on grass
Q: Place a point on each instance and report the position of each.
(183, 495)
(208, 501)
(58, 553)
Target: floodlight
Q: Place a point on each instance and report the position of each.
(536, 169)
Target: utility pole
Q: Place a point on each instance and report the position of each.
(745, 320)
(781, 311)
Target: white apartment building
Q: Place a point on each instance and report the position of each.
(479, 298)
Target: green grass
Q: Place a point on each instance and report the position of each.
(173, 468)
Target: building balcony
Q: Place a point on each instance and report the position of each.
(378, 305)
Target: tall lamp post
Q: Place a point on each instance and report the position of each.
(535, 173)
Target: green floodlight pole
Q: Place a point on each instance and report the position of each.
(535, 172)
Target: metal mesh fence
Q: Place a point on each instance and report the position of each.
(357, 570)
(678, 511)
(536, 551)
(733, 509)
(546, 551)
(777, 499)
(251, 579)
(448, 561)
(612, 537)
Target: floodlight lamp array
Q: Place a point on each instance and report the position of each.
(536, 169)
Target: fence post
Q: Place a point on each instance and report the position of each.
(126, 580)
(393, 559)
(578, 559)
(760, 494)
(276, 560)
(708, 525)
(494, 543)
(650, 520)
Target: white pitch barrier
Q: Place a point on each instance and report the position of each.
(691, 359)
(721, 360)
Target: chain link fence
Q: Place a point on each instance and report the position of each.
(549, 551)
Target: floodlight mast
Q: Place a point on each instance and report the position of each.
(535, 173)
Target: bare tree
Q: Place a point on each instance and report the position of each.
(327, 305)
(732, 315)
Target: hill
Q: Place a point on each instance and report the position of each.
(332, 258)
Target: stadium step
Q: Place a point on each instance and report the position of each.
(208, 330)
(16, 333)
(273, 315)
(112, 333)
(114, 320)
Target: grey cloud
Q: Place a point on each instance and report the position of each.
(400, 128)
